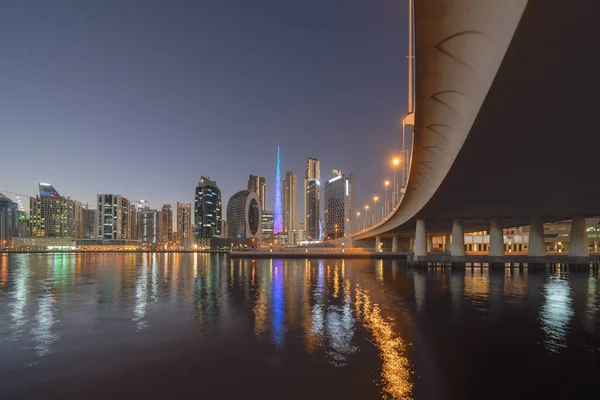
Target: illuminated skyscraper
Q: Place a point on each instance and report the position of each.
(256, 184)
(339, 203)
(207, 210)
(52, 215)
(148, 222)
(184, 224)
(277, 210)
(312, 199)
(289, 201)
(113, 214)
(166, 215)
(8, 218)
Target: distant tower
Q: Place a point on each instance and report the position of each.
(289, 202)
(277, 210)
(207, 209)
(312, 199)
(257, 184)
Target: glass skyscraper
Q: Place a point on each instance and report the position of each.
(207, 210)
(312, 199)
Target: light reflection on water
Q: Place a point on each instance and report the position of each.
(377, 324)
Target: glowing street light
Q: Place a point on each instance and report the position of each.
(357, 221)
(385, 186)
(375, 209)
(395, 162)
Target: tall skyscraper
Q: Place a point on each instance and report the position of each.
(312, 199)
(91, 223)
(113, 212)
(244, 216)
(289, 201)
(207, 210)
(133, 222)
(184, 221)
(339, 205)
(277, 210)
(52, 215)
(148, 225)
(257, 184)
(267, 227)
(166, 214)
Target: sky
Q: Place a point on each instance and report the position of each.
(141, 98)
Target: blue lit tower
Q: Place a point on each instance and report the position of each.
(277, 210)
(207, 210)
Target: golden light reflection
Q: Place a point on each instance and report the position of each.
(3, 269)
(396, 370)
(311, 341)
(260, 314)
(336, 283)
(477, 284)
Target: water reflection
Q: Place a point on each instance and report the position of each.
(376, 323)
(556, 311)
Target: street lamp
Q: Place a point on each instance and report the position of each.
(336, 227)
(395, 162)
(357, 221)
(375, 209)
(366, 215)
(385, 186)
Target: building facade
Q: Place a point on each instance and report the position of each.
(266, 232)
(91, 224)
(257, 185)
(166, 225)
(338, 196)
(133, 222)
(207, 210)
(9, 219)
(149, 225)
(113, 212)
(244, 216)
(184, 221)
(290, 185)
(55, 216)
(312, 199)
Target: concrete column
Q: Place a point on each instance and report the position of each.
(377, 243)
(458, 239)
(411, 244)
(394, 243)
(537, 246)
(447, 243)
(496, 239)
(420, 239)
(429, 243)
(578, 247)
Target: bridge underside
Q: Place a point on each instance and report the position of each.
(534, 148)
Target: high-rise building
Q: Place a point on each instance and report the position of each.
(166, 215)
(244, 216)
(91, 223)
(55, 216)
(277, 208)
(256, 184)
(289, 202)
(148, 225)
(9, 211)
(312, 199)
(266, 231)
(339, 205)
(184, 221)
(133, 222)
(207, 210)
(113, 212)
(224, 231)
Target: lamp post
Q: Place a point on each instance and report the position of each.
(395, 162)
(358, 221)
(375, 209)
(385, 186)
(366, 216)
(336, 227)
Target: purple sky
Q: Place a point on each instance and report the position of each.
(140, 98)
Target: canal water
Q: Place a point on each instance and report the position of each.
(108, 326)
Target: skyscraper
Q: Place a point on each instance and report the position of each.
(148, 222)
(277, 210)
(8, 219)
(113, 212)
(266, 231)
(244, 216)
(312, 199)
(257, 184)
(184, 221)
(52, 215)
(91, 223)
(133, 222)
(339, 205)
(207, 210)
(166, 215)
(289, 201)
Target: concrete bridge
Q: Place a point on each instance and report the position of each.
(505, 128)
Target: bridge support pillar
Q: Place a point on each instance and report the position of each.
(447, 243)
(411, 245)
(537, 246)
(458, 240)
(394, 243)
(377, 244)
(429, 243)
(578, 247)
(496, 240)
(420, 239)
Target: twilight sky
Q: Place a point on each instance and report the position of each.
(140, 98)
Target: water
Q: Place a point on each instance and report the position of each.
(76, 326)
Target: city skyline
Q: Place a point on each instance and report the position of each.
(105, 85)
